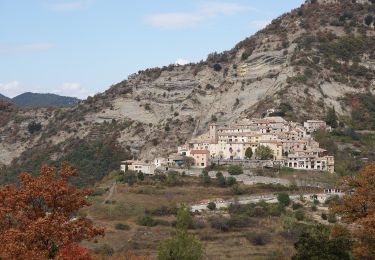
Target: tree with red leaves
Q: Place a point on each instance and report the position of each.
(38, 217)
(358, 209)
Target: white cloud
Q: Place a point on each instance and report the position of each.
(181, 61)
(25, 48)
(11, 89)
(73, 90)
(68, 6)
(181, 20)
(260, 24)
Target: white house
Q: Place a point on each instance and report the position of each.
(138, 166)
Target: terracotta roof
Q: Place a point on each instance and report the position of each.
(199, 152)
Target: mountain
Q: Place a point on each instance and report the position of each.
(315, 58)
(4, 97)
(29, 99)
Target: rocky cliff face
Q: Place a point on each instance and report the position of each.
(316, 57)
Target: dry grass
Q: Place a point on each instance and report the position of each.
(128, 203)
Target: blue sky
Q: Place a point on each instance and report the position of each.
(81, 47)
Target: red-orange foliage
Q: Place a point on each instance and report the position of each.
(37, 218)
(358, 207)
(73, 252)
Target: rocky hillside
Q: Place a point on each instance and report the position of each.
(315, 58)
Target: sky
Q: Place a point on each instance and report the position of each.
(82, 47)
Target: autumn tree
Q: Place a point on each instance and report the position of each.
(38, 218)
(358, 208)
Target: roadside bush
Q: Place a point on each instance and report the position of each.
(324, 216)
(230, 181)
(235, 170)
(122, 226)
(211, 206)
(283, 199)
(314, 208)
(147, 221)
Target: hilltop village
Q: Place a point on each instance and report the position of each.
(270, 141)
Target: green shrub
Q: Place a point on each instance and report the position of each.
(205, 179)
(275, 209)
(119, 178)
(324, 216)
(237, 190)
(220, 179)
(235, 170)
(240, 221)
(230, 181)
(34, 127)
(211, 206)
(217, 67)
(296, 206)
(140, 176)
(299, 215)
(122, 226)
(146, 220)
(283, 199)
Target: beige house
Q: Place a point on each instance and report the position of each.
(314, 125)
(201, 158)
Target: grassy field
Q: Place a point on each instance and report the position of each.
(127, 204)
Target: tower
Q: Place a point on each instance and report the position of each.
(213, 132)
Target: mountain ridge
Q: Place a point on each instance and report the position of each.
(30, 99)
